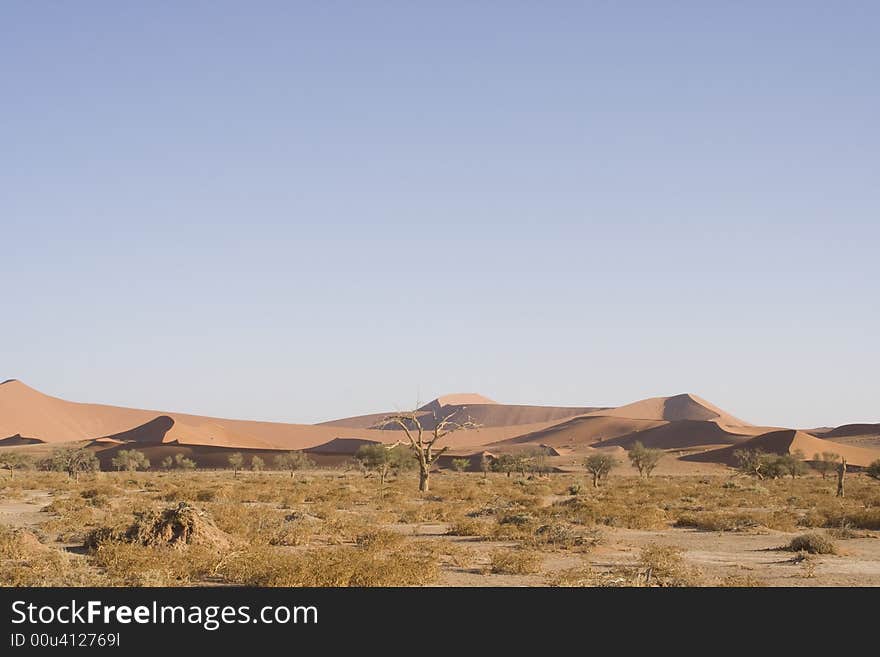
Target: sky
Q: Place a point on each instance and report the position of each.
(298, 211)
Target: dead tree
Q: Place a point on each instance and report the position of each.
(422, 441)
(841, 477)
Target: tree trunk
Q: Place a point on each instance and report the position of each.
(841, 477)
(595, 480)
(423, 481)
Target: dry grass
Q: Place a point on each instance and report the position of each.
(515, 562)
(332, 528)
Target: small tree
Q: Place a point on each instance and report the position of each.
(535, 461)
(167, 463)
(73, 461)
(599, 465)
(130, 460)
(257, 463)
(423, 441)
(485, 465)
(13, 461)
(644, 459)
(873, 470)
(183, 463)
(825, 463)
(792, 464)
(236, 461)
(505, 463)
(460, 465)
(375, 458)
(293, 461)
(751, 462)
(841, 478)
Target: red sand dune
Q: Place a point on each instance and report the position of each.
(679, 407)
(680, 434)
(583, 430)
(788, 441)
(681, 421)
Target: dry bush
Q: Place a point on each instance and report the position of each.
(177, 527)
(612, 512)
(736, 521)
(573, 577)
(472, 527)
(25, 561)
(132, 564)
(741, 581)
(515, 562)
(379, 539)
(813, 543)
(559, 535)
(664, 565)
(261, 566)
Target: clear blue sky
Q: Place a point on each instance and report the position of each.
(305, 210)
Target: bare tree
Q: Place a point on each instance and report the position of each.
(422, 441)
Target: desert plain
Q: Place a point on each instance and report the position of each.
(109, 496)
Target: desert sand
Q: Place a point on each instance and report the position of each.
(690, 427)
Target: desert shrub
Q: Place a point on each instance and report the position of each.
(588, 511)
(735, 521)
(873, 470)
(515, 562)
(560, 535)
(177, 527)
(260, 566)
(379, 539)
(573, 577)
(471, 527)
(460, 465)
(717, 522)
(857, 519)
(741, 581)
(813, 543)
(845, 533)
(664, 566)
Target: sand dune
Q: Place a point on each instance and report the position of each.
(788, 441)
(679, 407)
(28, 415)
(848, 430)
(491, 414)
(679, 422)
(584, 430)
(679, 434)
